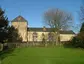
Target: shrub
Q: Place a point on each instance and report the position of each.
(78, 41)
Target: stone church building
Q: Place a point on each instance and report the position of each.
(37, 34)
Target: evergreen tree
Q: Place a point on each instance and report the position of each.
(13, 35)
(82, 27)
(3, 26)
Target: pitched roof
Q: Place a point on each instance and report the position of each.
(50, 30)
(38, 29)
(67, 32)
(19, 19)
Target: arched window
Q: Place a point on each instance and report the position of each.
(35, 35)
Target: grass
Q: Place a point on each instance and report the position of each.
(44, 55)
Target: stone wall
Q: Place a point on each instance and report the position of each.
(22, 29)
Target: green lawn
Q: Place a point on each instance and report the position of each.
(40, 55)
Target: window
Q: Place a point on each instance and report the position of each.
(35, 35)
(50, 36)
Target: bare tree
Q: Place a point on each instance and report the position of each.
(57, 20)
(82, 12)
(81, 22)
(81, 16)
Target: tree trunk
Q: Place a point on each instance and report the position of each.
(57, 38)
(1, 47)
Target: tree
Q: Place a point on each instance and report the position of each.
(13, 35)
(82, 18)
(78, 40)
(82, 12)
(3, 26)
(57, 20)
(82, 27)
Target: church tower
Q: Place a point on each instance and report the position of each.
(21, 24)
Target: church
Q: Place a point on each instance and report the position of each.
(37, 34)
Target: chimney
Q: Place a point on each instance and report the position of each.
(44, 28)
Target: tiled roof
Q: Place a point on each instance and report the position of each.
(19, 19)
(50, 30)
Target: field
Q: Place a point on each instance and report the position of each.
(44, 55)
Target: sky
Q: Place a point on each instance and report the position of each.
(33, 10)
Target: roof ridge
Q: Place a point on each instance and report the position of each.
(48, 30)
(19, 18)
